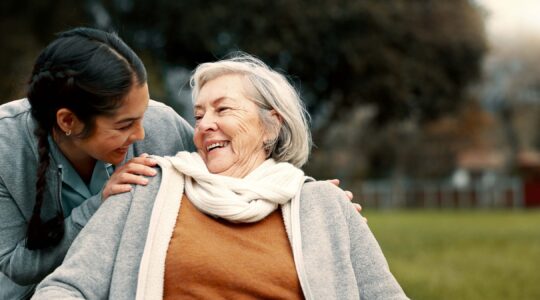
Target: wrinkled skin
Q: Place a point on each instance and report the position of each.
(226, 117)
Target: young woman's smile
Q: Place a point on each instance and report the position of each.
(112, 135)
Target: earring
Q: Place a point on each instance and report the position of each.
(68, 133)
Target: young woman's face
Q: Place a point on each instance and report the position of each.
(112, 135)
(228, 131)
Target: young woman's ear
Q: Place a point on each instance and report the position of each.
(67, 121)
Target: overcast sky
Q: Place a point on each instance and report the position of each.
(510, 17)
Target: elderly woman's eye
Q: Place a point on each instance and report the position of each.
(223, 108)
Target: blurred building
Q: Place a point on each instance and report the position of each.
(529, 166)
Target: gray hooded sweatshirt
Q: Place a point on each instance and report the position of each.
(336, 255)
(20, 268)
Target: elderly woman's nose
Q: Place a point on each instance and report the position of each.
(207, 122)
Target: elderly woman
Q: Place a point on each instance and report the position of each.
(238, 219)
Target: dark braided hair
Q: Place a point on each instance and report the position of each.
(89, 72)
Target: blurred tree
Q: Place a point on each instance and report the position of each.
(27, 26)
(511, 91)
(407, 63)
(410, 59)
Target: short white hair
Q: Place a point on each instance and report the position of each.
(270, 90)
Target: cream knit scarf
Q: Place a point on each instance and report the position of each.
(240, 200)
(247, 199)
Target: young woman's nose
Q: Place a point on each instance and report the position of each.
(138, 133)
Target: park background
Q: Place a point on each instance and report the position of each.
(427, 110)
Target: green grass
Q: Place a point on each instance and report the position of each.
(462, 254)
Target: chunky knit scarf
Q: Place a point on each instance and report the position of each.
(247, 199)
(240, 200)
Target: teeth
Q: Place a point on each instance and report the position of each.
(215, 145)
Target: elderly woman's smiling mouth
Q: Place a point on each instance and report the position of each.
(211, 145)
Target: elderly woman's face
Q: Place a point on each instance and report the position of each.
(229, 134)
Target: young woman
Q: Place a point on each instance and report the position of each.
(80, 136)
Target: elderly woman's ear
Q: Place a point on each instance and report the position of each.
(273, 125)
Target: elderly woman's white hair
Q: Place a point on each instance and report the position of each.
(270, 90)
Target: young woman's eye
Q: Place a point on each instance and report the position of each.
(126, 127)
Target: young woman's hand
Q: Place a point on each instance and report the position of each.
(132, 172)
(349, 195)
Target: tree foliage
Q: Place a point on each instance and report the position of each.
(409, 59)
(27, 26)
(404, 61)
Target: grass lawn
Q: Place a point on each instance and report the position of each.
(462, 254)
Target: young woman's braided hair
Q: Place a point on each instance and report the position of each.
(89, 72)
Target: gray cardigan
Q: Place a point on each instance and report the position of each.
(20, 269)
(340, 256)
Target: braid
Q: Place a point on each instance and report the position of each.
(34, 232)
(46, 83)
(57, 74)
(44, 161)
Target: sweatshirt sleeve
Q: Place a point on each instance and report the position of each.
(373, 276)
(26, 267)
(87, 269)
